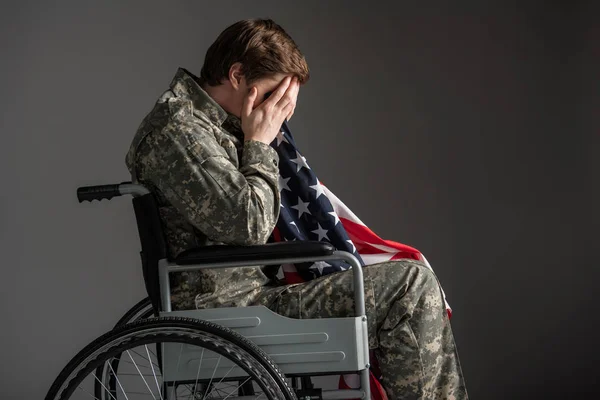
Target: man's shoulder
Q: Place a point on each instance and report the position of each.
(173, 123)
(184, 116)
(186, 88)
(173, 111)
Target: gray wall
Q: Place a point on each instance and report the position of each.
(466, 132)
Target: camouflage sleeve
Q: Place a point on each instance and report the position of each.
(229, 205)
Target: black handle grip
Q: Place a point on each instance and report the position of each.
(100, 192)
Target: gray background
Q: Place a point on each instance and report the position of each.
(466, 131)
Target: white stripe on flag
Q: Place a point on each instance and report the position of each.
(340, 208)
(371, 259)
(384, 248)
(289, 268)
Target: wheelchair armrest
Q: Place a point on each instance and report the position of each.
(271, 251)
(227, 256)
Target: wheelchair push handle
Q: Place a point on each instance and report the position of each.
(101, 192)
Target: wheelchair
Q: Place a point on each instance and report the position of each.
(222, 353)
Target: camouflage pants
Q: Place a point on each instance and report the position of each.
(408, 324)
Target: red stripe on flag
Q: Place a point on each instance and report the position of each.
(363, 236)
(276, 234)
(404, 254)
(292, 277)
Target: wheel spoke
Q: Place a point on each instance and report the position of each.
(236, 389)
(230, 369)
(88, 393)
(118, 381)
(213, 375)
(177, 369)
(105, 388)
(147, 359)
(130, 363)
(142, 376)
(153, 373)
(198, 375)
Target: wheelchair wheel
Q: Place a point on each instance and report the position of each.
(173, 358)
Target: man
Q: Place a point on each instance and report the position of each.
(204, 151)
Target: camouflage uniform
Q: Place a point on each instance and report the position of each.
(215, 188)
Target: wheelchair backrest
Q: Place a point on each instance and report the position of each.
(152, 241)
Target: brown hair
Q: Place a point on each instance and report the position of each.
(260, 45)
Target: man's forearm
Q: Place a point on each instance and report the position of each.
(228, 205)
(249, 216)
(260, 167)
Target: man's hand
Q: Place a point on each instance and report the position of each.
(264, 122)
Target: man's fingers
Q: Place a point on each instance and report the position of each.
(249, 102)
(290, 115)
(290, 95)
(295, 99)
(279, 92)
(293, 102)
(288, 111)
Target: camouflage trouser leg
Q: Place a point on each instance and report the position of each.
(408, 325)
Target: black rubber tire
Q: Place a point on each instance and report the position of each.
(142, 310)
(184, 330)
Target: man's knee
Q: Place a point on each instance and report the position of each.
(402, 271)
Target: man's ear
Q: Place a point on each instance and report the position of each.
(235, 75)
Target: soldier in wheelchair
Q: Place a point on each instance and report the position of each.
(206, 196)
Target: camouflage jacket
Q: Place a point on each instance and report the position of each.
(212, 187)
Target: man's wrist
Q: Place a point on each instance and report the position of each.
(255, 139)
(256, 151)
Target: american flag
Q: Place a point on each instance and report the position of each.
(310, 211)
